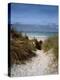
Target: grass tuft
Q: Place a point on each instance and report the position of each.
(21, 48)
(52, 43)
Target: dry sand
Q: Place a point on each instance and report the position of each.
(38, 37)
(42, 64)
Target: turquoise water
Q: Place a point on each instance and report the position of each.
(41, 33)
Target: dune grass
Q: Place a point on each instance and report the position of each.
(52, 43)
(21, 48)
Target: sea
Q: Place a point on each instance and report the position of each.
(41, 35)
(48, 34)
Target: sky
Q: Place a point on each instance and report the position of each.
(34, 14)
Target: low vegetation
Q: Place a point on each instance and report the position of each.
(52, 43)
(21, 48)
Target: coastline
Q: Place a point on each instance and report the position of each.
(42, 37)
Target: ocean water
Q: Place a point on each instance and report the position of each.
(47, 34)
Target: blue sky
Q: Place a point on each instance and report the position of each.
(33, 14)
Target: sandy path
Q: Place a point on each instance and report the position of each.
(40, 65)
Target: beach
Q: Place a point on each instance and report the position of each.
(33, 31)
(43, 38)
(42, 64)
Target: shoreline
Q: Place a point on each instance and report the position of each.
(43, 38)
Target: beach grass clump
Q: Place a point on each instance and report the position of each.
(21, 48)
(52, 43)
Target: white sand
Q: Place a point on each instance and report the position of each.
(42, 64)
(38, 37)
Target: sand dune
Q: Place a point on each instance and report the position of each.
(42, 64)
